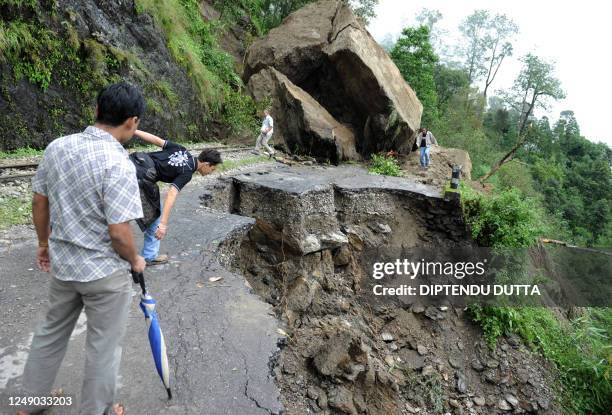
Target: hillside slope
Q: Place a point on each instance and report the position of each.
(56, 56)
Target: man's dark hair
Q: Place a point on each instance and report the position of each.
(118, 102)
(212, 157)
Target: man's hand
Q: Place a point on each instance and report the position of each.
(42, 259)
(138, 264)
(161, 231)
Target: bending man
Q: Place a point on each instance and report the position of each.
(174, 165)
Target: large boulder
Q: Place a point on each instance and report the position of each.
(339, 76)
(301, 122)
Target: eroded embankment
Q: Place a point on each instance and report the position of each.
(315, 229)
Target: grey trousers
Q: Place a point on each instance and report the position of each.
(106, 302)
(262, 140)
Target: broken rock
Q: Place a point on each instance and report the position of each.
(346, 96)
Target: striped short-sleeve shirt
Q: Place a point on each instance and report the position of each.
(90, 184)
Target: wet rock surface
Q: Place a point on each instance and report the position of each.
(354, 100)
(342, 355)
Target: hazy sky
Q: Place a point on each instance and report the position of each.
(570, 34)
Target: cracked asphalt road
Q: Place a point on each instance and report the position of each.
(220, 336)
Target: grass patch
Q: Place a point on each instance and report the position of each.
(14, 211)
(193, 45)
(233, 164)
(580, 351)
(385, 166)
(20, 153)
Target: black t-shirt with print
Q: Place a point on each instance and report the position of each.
(174, 164)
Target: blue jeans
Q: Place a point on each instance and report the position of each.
(424, 156)
(150, 249)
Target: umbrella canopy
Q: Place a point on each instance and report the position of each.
(156, 337)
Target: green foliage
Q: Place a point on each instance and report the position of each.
(533, 87)
(416, 60)
(232, 10)
(233, 164)
(165, 89)
(33, 50)
(272, 12)
(506, 219)
(386, 166)
(14, 211)
(240, 112)
(193, 44)
(20, 153)
(449, 83)
(579, 350)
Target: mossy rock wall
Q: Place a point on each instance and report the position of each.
(56, 55)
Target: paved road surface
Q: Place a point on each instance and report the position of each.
(219, 335)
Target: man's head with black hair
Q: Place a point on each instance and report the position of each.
(208, 161)
(119, 108)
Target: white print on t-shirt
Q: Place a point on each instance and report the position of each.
(179, 159)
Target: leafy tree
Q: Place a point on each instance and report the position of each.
(497, 46)
(274, 11)
(534, 85)
(474, 29)
(416, 60)
(430, 18)
(449, 83)
(487, 44)
(365, 9)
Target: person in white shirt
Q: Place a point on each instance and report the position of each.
(424, 140)
(267, 129)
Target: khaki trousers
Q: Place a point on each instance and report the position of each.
(106, 302)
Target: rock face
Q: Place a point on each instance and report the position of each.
(335, 93)
(305, 126)
(87, 45)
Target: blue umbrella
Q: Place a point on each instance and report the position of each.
(156, 338)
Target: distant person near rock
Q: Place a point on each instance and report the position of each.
(85, 195)
(174, 165)
(267, 129)
(425, 139)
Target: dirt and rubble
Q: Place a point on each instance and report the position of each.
(315, 228)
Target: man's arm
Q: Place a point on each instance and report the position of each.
(165, 216)
(40, 217)
(123, 243)
(150, 138)
(433, 139)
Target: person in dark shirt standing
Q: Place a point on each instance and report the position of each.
(174, 165)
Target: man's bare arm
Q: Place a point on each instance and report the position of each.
(123, 243)
(150, 138)
(40, 217)
(165, 216)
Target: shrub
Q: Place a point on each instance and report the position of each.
(506, 219)
(386, 166)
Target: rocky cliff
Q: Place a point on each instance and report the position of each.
(335, 93)
(56, 55)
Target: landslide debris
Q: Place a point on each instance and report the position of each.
(315, 230)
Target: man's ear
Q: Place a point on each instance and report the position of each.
(97, 112)
(131, 123)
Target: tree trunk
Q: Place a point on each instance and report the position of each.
(504, 159)
(519, 143)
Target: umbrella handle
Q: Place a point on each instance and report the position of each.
(138, 278)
